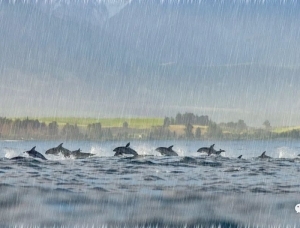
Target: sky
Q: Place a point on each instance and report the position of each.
(229, 60)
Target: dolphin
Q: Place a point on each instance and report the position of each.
(263, 155)
(218, 152)
(206, 149)
(79, 155)
(168, 151)
(239, 156)
(33, 153)
(124, 150)
(210, 150)
(59, 149)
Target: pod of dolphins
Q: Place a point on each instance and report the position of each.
(77, 154)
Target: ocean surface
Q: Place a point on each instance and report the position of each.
(191, 190)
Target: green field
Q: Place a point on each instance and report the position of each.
(140, 123)
(285, 129)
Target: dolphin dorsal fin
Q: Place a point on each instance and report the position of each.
(212, 146)
(240, 156)
(263, 153)
(128, 144)
(170, 147)
(33, 148)
(60, 145)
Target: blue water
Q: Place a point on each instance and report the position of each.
(191, 190)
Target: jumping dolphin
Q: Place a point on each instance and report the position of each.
(33, 153)
(240, 156)
(168, 151)
(210, 150)
(217, 152)
(59, 149)
(206, 149)
(124, 150)
(263, 155)
(79, 155)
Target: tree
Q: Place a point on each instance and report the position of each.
(198, 133)
(94, 131)
(53, 128)
(267, 125)
(167, 122)
(189, 130)
(178, 119)
(214, 131)
(125, 125)
(241, 126)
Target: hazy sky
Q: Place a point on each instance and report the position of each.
(227, 59)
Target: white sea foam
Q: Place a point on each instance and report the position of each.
(286, 152)
(10, 152)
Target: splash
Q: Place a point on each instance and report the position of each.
(286, 152)
(101, 151)
(10, 153)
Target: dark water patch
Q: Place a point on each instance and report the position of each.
(260, 190)
(152, 178)
(158, 188)
(176, 171)
(61, 190)
(216, 183)
(69, 184)
(211, 164)
(167, 223)
(176, 164)
(125, 178)
(269, 173)
(125, 172)
(80, 175)
(31, 165)
(289, 186)
(53, 163)
(92, 178)
(6, 168)
(11, 199)
(282, 191)
(189, 160)
(111, 171)
(33, 172)
(124, 187)
(136, 162)
(99, 189)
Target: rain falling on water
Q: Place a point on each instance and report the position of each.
(233, 64)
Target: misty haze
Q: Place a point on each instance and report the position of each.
(229, 61)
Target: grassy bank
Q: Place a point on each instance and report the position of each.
(285, 129)
(138, 123)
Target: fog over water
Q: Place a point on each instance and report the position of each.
(229, 60)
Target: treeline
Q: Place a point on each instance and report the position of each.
(34, 129)
(183, 126)
(187, 118)
(201, 127)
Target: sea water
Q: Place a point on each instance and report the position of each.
(191, 190)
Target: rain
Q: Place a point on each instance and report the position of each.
(156, 113)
